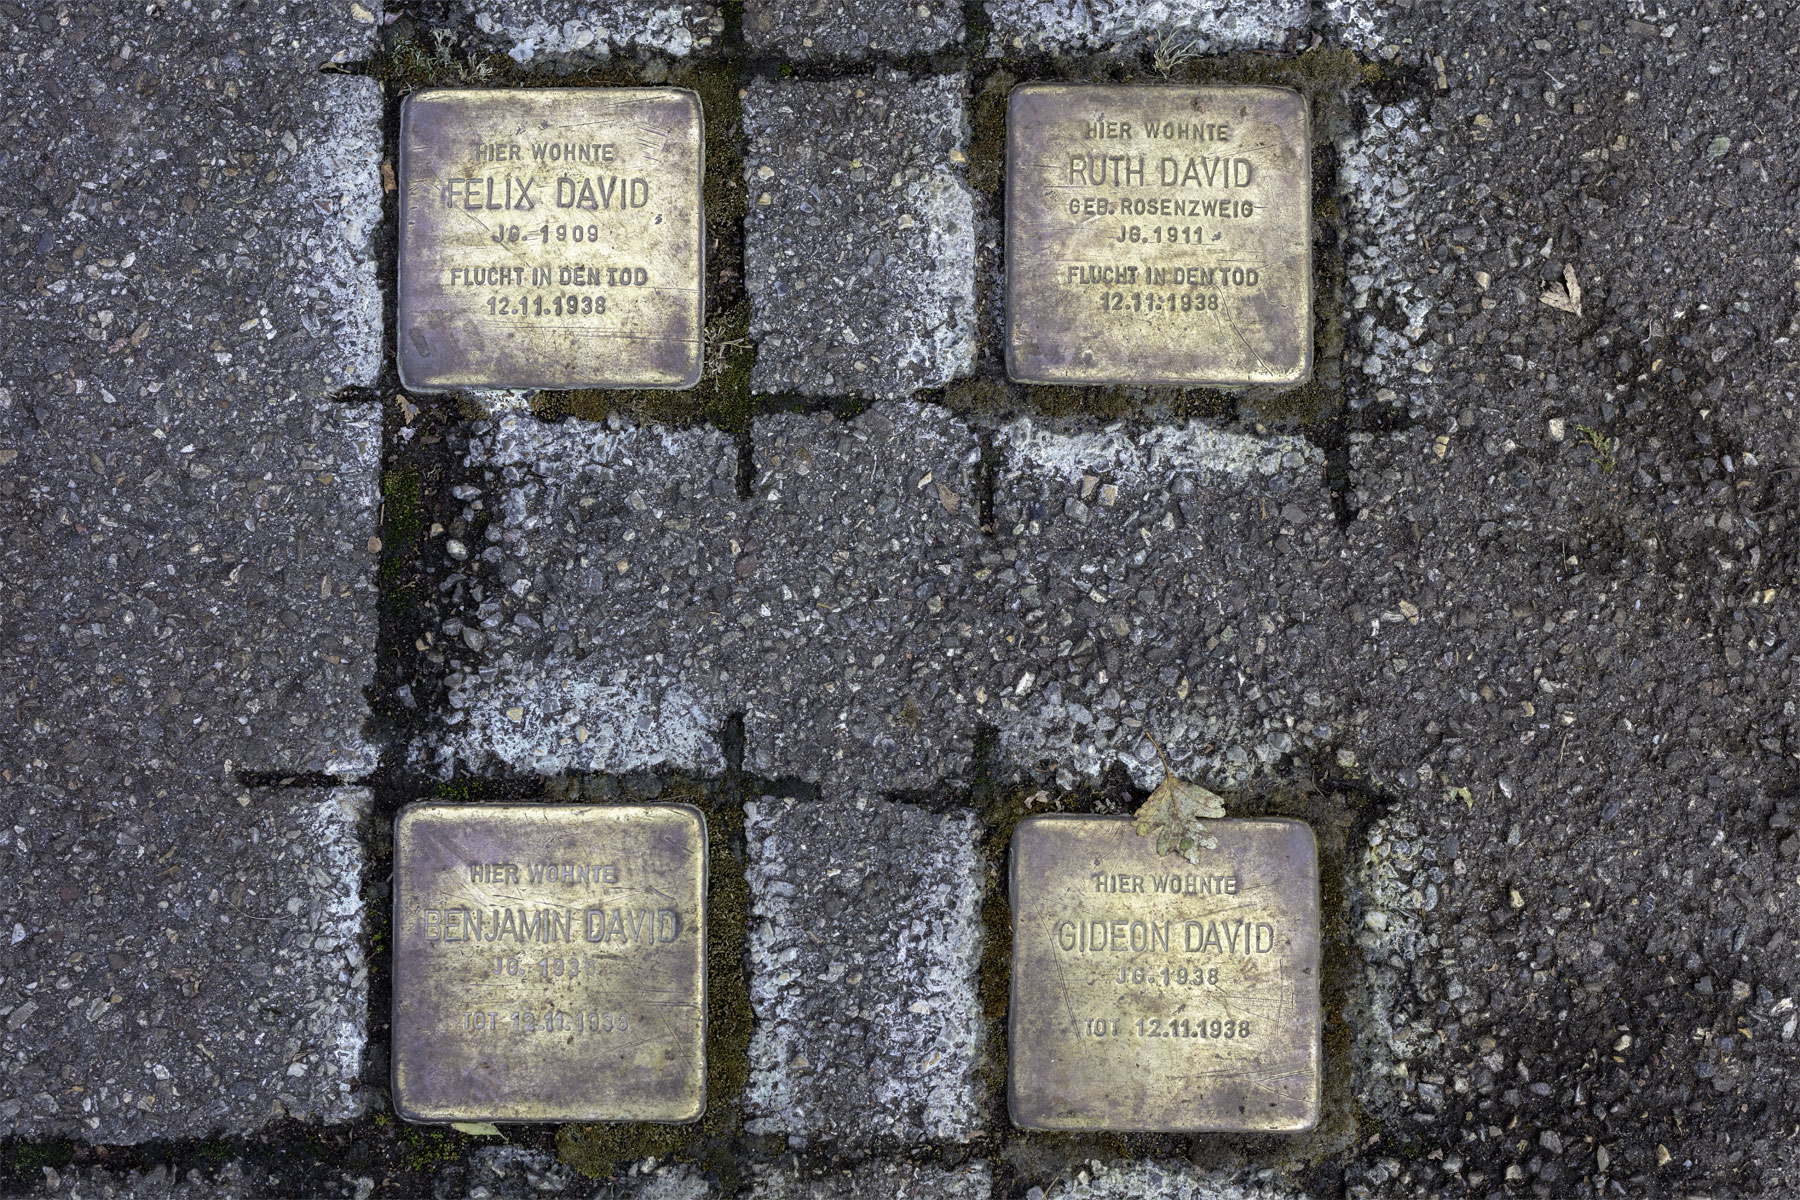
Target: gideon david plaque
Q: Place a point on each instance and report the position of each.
(1158, 235)
(1149, 994)
(550, 238)
(549, 962)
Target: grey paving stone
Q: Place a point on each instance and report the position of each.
(864, 948)
(187, 588)
(856, 599)
(179, 253)
(585, 608)
(859, 247)
(1181, 27)
(552, 30)
(1384, 173)
(185, 958)
(518, 1173)
(875, 1179)
(851, 30)
(155, 1183)
(187, 519)
(1165, 1181)
(1172, 584)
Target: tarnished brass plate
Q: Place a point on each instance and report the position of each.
(550, 239)
(549, 962)
(1149, 994)
(1158, 235)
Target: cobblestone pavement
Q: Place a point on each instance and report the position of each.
(1503, 602)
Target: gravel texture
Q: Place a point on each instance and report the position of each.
(856, 599)
(1164, 1181)
(184, 959)
(153, 1183)
(864, 946)
(851, 30)
(859, 247)
(187, 549)
(875, 1179)
(585, 599)
(1170, 584)
(555, 32)
(516, 1173)
(1179, 28)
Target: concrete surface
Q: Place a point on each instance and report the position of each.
(859, 246)
(850, 30)
(864, 945)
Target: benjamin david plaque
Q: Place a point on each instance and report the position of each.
(1158, 235)
(1149, 994)
(549, 962)
(550, 238)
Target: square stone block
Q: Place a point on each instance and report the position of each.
(860, 240)
(1150, 994)
(551, 238)
(549, 962)
(865, 948)
(1158, 235)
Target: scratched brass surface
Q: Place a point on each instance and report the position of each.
(549, 962)
(1139, 1006)
(1183, 258)
(550, 238)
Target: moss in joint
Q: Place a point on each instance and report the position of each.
(597, 1150)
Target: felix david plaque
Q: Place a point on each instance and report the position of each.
(550, 238)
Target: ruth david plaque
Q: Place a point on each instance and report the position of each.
(1158, 235)
(551, 238)
(1152, 995)
(549, 962)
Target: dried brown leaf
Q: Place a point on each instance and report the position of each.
(1174, 814)
(1568, 297)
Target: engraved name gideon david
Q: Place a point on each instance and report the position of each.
(551, 238)
(1158, 235)
(549, 962)
(1151, 995)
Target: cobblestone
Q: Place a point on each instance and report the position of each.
(549, 31)
(851, 30)
(859, 247)
(186, 959)
(585, 602)
(874, 1180)
(856, 599)
(1186, 28)
(1168, 584)
(864, 947)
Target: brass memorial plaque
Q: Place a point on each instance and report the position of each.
(1158, 235)
(549, 962)
(1149, 994)
(550, 238)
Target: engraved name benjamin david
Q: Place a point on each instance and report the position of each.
(618, 924)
